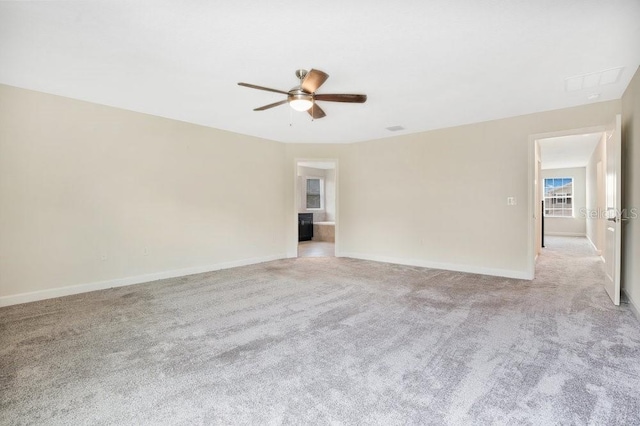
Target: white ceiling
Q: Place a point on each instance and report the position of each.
(423, 64)
(568, 151)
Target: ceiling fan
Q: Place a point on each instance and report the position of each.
(304, 96)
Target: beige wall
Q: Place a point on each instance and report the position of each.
(570, 226)
(448, 192)
(439, 198)
(90, 195)
(596, 196)
(330, 195)
(80, 181)
(631, 190)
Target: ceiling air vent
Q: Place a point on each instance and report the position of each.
(591, 80)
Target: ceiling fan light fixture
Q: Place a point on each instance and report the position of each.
(300, 101)
(301, 104)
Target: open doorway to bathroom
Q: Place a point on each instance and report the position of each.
(316, 204)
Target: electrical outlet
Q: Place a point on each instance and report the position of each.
(511, 201)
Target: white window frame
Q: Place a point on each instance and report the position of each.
(321, 179)
(548, 205)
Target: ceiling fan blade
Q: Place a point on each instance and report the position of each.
(341, 98)
(316, 112)
(253, 86)
(275, 104)
(313, 80)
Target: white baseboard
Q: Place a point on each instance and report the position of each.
(507, 273)
(34, 296)
(598, 252)
(632, 306)
(565, 234)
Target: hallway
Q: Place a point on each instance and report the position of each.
(569, 261)
(572, 265)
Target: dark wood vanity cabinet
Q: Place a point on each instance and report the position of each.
(305, 226)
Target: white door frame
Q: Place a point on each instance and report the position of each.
(296, 194)
(533, 207)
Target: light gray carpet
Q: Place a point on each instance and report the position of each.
(329, 340)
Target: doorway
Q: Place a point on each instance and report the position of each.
(566, 194)
(602, 212)
(315, 198)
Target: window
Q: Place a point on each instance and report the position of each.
(558, 197)
(315, 191)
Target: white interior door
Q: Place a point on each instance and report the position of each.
(613, 237)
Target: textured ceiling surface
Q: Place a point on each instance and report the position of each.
(423, 64)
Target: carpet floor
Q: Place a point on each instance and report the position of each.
(329, 340)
